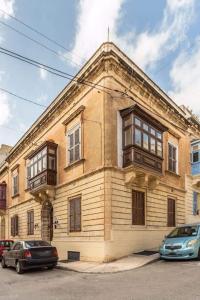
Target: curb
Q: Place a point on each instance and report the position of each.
(107, 272)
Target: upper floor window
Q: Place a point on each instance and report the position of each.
(3, 195)
(172, 158)
(15, 182)
(142, 138)
(74, 144)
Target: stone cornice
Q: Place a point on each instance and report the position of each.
(74, 115)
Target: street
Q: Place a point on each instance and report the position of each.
(161, 280)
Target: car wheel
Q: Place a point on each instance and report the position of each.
(3, 264)
(51, 267)
(19, 268)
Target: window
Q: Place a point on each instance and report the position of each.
(195, 157)
(138, 208)
(196, 202)
(172, 158)
(17, 246)
(38, 163)
(171, 213)
(15, 183)
(74, 144)
(30, 222)
(145, 136)
(14, 225)
(75, 214)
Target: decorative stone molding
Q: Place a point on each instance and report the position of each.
(141, 179)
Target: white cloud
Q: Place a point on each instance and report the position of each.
(94, 17)
(43, 74)
(185, 77)
(8, 7)
(5, 109)
(145, 49)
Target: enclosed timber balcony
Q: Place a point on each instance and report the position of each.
(2, 198)
(142, 139)
(42, 168)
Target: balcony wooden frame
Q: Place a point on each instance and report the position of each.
(47, 177)
(138, 155)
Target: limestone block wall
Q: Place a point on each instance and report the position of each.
(127, 238)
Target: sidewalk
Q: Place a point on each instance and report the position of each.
(124, 264)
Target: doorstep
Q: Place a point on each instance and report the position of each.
(123, 264)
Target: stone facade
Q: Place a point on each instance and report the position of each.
(98, 177)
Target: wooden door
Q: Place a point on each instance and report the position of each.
(138, 208)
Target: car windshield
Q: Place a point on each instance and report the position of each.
(184, 231)
(30, 244)
(6, 243)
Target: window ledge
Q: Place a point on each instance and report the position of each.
(14, 196)
(172, 173)
(77, 162)
(27, 190)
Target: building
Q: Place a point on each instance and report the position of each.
(101, 173)
(4, 151)
(193, 185)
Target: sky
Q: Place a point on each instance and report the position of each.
(160, 36)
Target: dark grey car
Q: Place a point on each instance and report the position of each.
(26, 255)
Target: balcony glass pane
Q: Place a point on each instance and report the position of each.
(145, 141)
(138, 137)
(159, 149)
(195, 157)
(52, 163)
(145, 127)
(152, 145)
(44, 163)
(128, 136)
(128, 121)
(137, 122)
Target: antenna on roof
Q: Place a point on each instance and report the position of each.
(108, 34)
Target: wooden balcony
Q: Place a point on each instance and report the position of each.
(139, 157)
(42, 168)
(2, 198)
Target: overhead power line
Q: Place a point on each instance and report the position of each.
(54, 71)
(38, 32)
(38, 43)
(22, 98)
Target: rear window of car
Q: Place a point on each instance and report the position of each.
(6, 243)
(30, 244)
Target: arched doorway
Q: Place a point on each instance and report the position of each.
(47, 221)
(3, 227)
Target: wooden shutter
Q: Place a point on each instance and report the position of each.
(195, 195)
(172, 154)
(138, 208)
(78, 214)
(72, 215)
(75, 214)
(30, 222)
(12, 226)
(16, 225)
(171, 213)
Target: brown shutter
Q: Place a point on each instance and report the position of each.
(32, 222)
(171, 213)
(138, 208)
(78, 214)
(16, 225)
(72, 216)
(12, 226)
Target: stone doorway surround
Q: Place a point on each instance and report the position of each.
(47, 221)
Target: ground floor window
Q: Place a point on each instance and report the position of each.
(15, 225)
(30, 222)
(171, 212)
(75, 214)
(138, 208)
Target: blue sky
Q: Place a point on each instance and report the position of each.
(161, 36)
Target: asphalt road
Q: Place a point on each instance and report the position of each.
(160, 280)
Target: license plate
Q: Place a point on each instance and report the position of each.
(172, 253)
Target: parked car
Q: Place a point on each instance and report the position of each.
(5, 245)
(26, 255)
(182, 243)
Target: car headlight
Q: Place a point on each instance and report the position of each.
(191, 243)
(163, 243)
